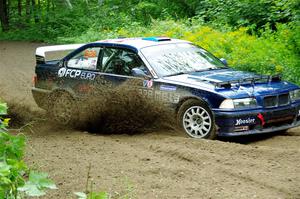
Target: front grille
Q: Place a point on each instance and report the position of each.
(270, 101)
(283, 99)
(276, 100)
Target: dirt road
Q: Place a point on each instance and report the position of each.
(160, 164)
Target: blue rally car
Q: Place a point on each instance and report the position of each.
(209, 98)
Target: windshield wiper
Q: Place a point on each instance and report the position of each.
(174, 74)
(186, 72)
(208, 69)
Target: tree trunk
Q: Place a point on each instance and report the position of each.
(20, 8)
(4, 15)
(34, 11)
(27, 10)
(39, 7)
(53, 5)
(48, 7)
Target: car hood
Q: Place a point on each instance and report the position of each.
(207, 80)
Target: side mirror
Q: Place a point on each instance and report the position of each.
(224, 61)
(61, 63)
(137, 72)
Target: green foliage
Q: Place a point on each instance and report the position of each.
(36, 184)
(92, 195)
(47, 23)
(126, 193)
(13, 170)
(255, 14)
(11, 165)
(260, 35)
(3, 108)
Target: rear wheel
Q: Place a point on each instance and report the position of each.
(63, 108)
(196, 119)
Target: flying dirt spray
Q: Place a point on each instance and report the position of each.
(124, 110)
(107, 110)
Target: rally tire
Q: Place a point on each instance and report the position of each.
(196, 119)
(63, 108)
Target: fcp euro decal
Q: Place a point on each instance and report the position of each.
(74, 73)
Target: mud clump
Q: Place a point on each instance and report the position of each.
(124, 110)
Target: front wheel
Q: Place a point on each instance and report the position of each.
(196, 119)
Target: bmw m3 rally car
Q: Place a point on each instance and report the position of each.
(209, 98)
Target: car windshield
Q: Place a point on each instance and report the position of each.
(180, 58)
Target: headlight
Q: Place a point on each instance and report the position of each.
(238, 103)
(295, 95)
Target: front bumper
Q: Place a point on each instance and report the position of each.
(256, 121)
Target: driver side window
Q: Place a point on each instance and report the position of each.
(86, 59)
(121, 61)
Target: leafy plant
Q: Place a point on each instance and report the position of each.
(36, 184)
(12, 167)
(89, 193)
(92, 195)
(13, 171)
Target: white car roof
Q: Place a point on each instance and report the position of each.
(137, 43)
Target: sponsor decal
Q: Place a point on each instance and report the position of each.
(168, 88)
(90, 53)
(241, 128)
(160, 95)
(61, 72)
(244, 121)
(298, 112)
(148, 83)
(74, 73)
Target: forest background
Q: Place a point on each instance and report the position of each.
(262, 36)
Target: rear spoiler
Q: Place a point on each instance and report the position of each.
(40, 51)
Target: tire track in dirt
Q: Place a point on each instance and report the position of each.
(226, 165)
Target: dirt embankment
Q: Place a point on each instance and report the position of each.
(152, 164)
